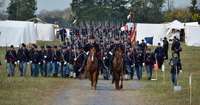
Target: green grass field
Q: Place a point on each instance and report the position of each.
(30, 90)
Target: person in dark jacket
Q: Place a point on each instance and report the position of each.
(55, 59)
(149, 62)
(175, 63)
(106, 58)
(31, 56)
(138, 63)
(23, 59)
(42, 68)
(63, 62)
(63, 33)
(10, 59)
(48, 60)
(159, 51)
(36, 62)
(130, 63)
(166, 47)
(177, 47)
(143, 46)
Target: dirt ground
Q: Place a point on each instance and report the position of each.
(80, 93)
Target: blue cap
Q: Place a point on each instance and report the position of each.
(64, 43)
(92, 37)
(35, 46)
(68, 45)
(55, 46)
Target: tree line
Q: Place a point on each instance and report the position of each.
(105, 12)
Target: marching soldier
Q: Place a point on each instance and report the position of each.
(143, 46)
(31, 56)
(175, 63)
(173, 47)
(11, 61)
(166, 47)
(63, 62)
(149, 62)
(42, 68)
(106, 59)
(130, 63)
(36, 61)
(23, 59)
(138, 63)
(87, 50)
(114, 47)
(177, 47)
(78, 60)
(76, 31)
(159, 51)
(63, 33)
(48, 60)
(55, 59)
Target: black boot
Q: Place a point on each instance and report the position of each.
(81, 70)
(110, 67)
(102, 66)
(8, 75)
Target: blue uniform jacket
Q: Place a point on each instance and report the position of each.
(116, 46)
(149, 59)
(36, 57)
(138, 59)
(129, 59)
(159, 51)
(23, 55)
(49, 56)
(11, 55)
(55, 56)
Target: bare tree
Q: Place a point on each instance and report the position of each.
(169, 5)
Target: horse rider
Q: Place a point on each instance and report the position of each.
(112, 50)
(86, 48)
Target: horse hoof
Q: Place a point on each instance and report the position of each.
(94, 88)
(121, 87)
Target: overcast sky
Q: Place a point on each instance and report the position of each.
(62, 4)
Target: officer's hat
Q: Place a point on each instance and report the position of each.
(11, 46)
(112, 42)
(116, 38)
(68, 45)
(101, 41)
(23, 45)
(158, 43)
(138, 48)
(165, 37)
(142, 39)
(175, 37)
(55, 46)
(92, 37)
(62, 47)
(42, 47)
(67, 38)
(48, 46)
(149, 49)
(64, 43)
(174, 53)
(35, 46)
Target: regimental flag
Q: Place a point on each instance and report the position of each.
(75, 21)
(133, 35)
(70, 16)
(56, 22)
(149, 40)
(126, 27)
(129, 16)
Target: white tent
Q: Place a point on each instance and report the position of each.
(175, 25)
(45, 32)
(33, 32)
(12, 36)
(157, 31)
(18, 24)
(192, 36)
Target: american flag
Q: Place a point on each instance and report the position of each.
(133, 35)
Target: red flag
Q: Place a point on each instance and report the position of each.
(133, 35)
(75, 21)
(79, 35)
(129, 16)
(126, 27)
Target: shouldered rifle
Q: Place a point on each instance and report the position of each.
(6, 55)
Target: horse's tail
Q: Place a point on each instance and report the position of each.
(83, 75)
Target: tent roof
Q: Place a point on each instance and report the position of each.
(175, 25)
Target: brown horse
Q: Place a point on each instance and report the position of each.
(118, 69)
(92, 68)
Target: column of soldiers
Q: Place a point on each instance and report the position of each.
(70, 58)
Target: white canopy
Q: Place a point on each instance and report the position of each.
(157, 31)
(192, 37)
(12, 36)
(175, 25)
(45, 32)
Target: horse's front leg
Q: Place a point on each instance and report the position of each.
(95, 79)
(121, 75)
(91, 78)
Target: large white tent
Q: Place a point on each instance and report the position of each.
(18, 24)
(33, 32)
(192, 36)
(157, 31)
(12, 36)
(45, 32)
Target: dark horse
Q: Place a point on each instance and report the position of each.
(118, 69)
(92, 68)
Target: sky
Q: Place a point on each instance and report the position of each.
(63, 4)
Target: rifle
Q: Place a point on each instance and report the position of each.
(19, 56)
(6, 55)
(44, 50)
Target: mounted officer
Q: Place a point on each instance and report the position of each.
(112, 50)
(86, 48)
